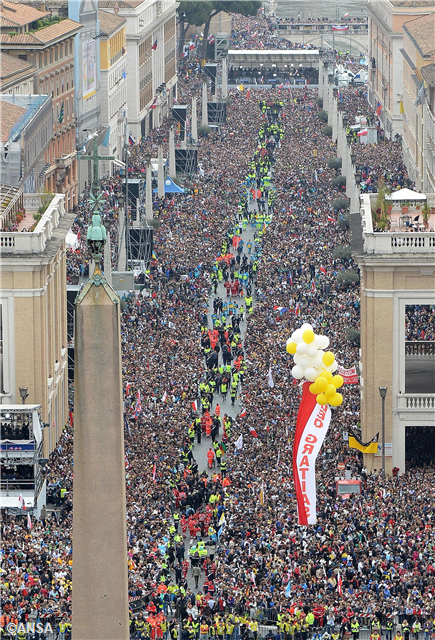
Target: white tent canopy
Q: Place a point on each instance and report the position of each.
(405, 194)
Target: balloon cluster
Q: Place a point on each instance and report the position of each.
(315, 364)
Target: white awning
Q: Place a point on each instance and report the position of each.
(405, 194)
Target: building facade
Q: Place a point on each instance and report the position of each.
(397, 271)
(16, 76)
(50, 50)
(113, 91)
(385, 83)
(428, 75)
(418, 148)
(87, 78)
(33, 317)
(151, 60)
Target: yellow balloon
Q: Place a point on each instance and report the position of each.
(337, 381)
(330, 391)
(328, 358)
(327, 375)
(321, 383)
(291, 347)
(322, 399)
(336, 400)
(314, 389)
(308, 336)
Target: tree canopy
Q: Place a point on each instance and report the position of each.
(202, 12)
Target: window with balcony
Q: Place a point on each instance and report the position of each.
(419, 338)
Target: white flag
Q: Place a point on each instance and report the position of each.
(29, 521)
(21, 503)
(239, 442)
(270, 379)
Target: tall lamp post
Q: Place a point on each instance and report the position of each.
(383, 393)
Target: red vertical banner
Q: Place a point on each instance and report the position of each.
(311, 426)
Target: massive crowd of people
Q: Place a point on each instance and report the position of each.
(369, 558)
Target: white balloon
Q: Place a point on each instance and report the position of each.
(324, 342)
(306, 326)
(289, 341)
(318, 360)
(302, 348)
(317, 341)
(303, 362)
(297, 372)
(297, 336)
(310, 374)
(312, 351)
(296, 358)
(333, 367)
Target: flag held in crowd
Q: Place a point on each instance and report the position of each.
(355, 442)
(239, 442)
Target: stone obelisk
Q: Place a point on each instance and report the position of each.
(204, 114)
(100, 592)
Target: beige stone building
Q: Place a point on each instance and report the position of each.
(33, 317)
(385, 83)
(47, 44)
(397, 270)
(418, 101)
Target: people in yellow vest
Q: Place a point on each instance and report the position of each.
(253, 625)
(406, 629)
(354, 627)
(416, 628)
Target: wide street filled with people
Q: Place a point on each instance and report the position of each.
(244, 257)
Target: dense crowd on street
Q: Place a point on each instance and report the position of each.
(368, 558)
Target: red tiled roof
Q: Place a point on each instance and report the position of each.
(42, 36)
(9, 113)
(20, 14)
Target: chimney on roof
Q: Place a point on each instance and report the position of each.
(116, 8)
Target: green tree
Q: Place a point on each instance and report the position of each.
(202, 13)
(192, 12)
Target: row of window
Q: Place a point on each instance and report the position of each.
(54, 54)
(145, 80)
(117, 76)
(34, 146)
(57, 84)
(118, 101)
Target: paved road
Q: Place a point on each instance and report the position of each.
(200, 450)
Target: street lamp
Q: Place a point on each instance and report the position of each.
(23, 394)
(349, 139)
(358, 177)
(383, 393)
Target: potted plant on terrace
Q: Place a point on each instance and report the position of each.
(405, 206)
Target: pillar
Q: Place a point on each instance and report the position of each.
(172, 169)
(161, 174)
(100, 592)
(334, 119)
(149, 194)
(194, 125)
(108, 259)
(204, 115)
(224, 78)
(320, 86)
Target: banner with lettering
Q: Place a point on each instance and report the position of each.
(349, 376)
(311, 426)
